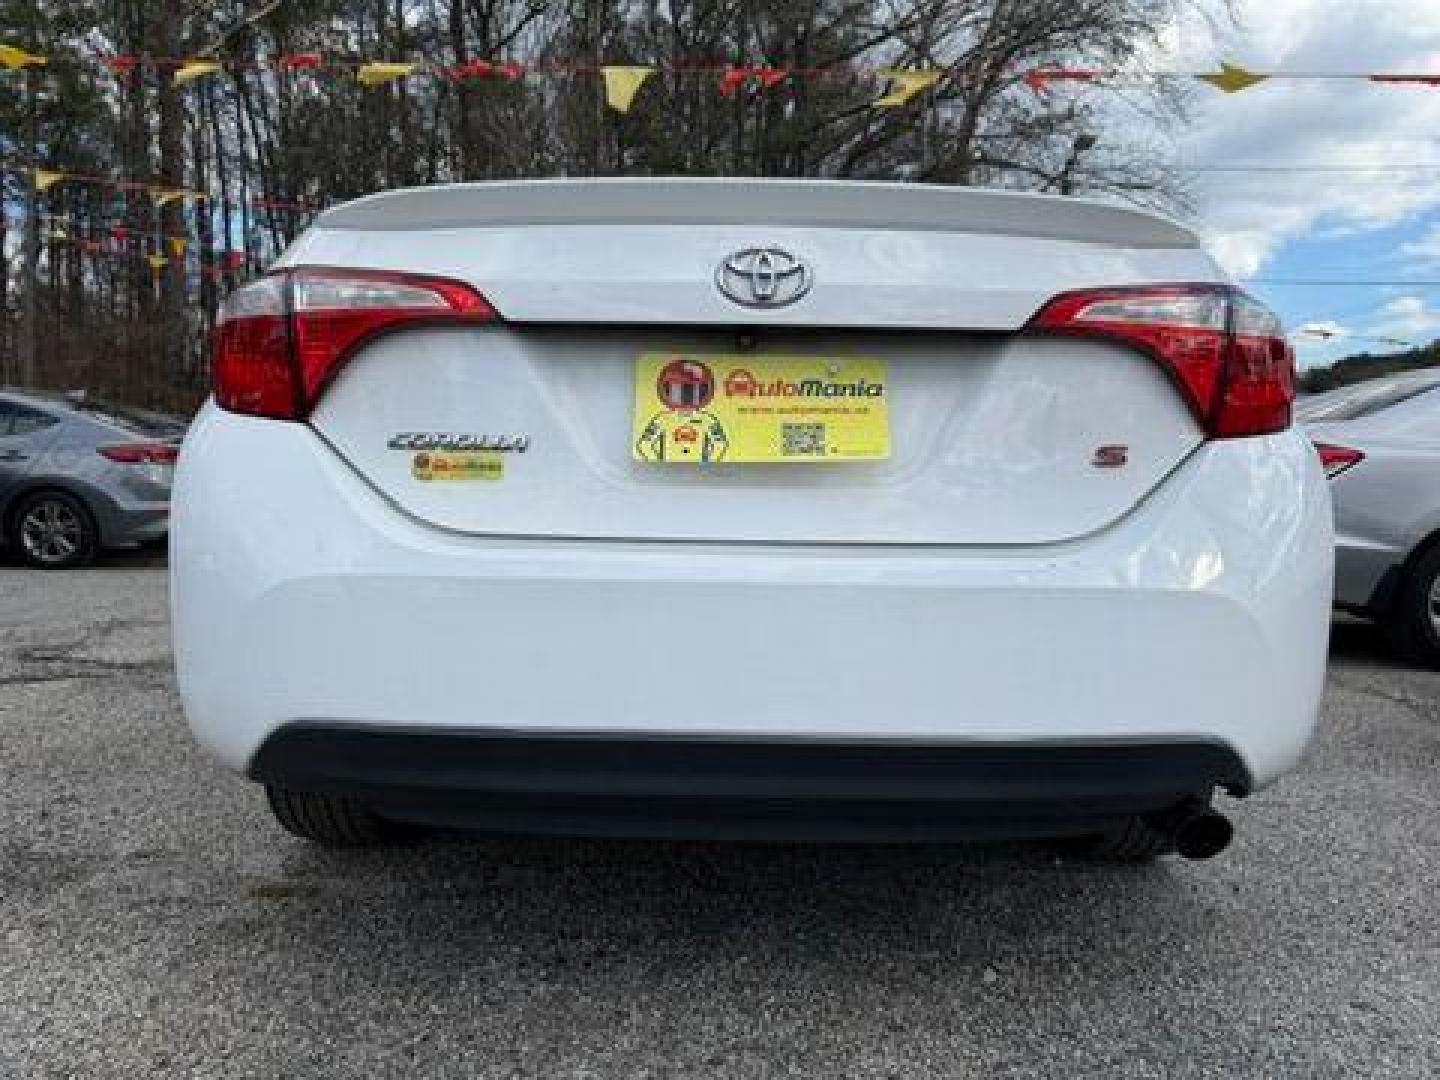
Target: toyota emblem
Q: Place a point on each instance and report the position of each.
(763, 278)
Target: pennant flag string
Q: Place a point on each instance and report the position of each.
(178, 243)
(120, 242)
(160, 194)
(623, 81)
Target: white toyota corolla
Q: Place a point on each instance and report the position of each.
(734, 507)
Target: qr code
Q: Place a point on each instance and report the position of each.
(802, 440)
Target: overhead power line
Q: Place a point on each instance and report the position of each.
(1288, 169)
(1402, 283)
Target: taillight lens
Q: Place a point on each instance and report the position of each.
(1336, 459)
(253, 371)
(1226, 352)
(279, 341)
(140, 453)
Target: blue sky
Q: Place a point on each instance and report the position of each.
(1352, 194)
(1374, 317)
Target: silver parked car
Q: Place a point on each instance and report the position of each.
(1380, 444)
(77, 475)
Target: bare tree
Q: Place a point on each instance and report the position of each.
(275, 131)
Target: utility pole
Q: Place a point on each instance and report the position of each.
(1083, 144)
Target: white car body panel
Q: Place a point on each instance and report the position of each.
(993, 439)
(1183, 621)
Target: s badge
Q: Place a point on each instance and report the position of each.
(1111, 456)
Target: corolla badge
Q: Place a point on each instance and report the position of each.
(763, 277)
(458, 442)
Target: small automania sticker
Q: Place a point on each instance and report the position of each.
(431, 466)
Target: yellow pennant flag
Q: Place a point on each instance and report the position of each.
(905, 83)
(194, 69)
(375, 73)
(45, 179)
(177, 246)
(622, 84)
(157, 262)
(1232, 79)
(13, 58)
(165, 196)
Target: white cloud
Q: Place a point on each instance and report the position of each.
(1407, 318)
(1248, 217)
(1422, 253)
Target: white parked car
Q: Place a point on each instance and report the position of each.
(737, 507)
(1379, 442)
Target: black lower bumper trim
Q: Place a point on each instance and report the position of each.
(790, 788)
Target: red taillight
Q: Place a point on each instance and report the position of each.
(1226, 352)
(137, 453)
(280, 340)
(1336, 459)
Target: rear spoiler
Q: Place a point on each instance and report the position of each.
(779, 203)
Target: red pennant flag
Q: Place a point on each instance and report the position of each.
(1039, 79)
(301, 61)
(119, 233)
(735, 78)
(1415, 80)
(123, 66)
(484, 69)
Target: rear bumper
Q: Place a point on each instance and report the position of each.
(302, 596)
(795, 789)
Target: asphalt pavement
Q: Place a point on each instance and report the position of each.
(155, 922)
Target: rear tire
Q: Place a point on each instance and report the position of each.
(1136, 840)
(333, 821)
(1414, 623)
(53, 530)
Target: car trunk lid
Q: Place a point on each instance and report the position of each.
(531, 425)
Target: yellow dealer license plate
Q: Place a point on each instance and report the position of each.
(705, 408)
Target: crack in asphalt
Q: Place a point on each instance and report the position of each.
(63, 662)
(1419, 707)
